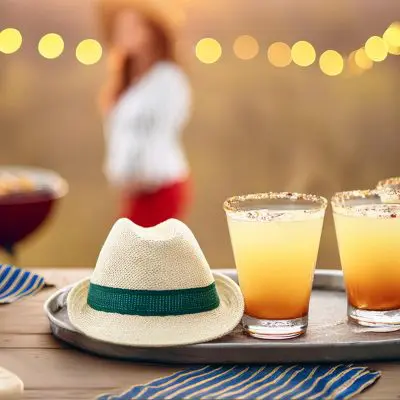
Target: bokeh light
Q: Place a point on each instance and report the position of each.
(394, 50)
(10, 40)
(51, 45)
(303, 53)
(279, 54)
(362, 60)
(89, 52)
(352, 67)
(392, 35)
(376, 48)
(331, 63)
(208, 50)
(246, 47)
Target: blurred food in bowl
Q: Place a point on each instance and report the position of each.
(27, 197)
(14, 184)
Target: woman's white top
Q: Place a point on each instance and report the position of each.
(143, 130)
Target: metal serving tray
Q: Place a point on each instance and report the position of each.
(329, 338)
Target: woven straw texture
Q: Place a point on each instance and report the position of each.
(166, 257)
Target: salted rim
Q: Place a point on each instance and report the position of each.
(388, 182)
(231, 204)
(340, 197)
(386, 206)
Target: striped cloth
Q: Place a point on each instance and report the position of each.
(257, 382)
(16, 283)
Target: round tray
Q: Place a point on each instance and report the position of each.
(329, 338)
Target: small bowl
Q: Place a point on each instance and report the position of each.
(22, 212)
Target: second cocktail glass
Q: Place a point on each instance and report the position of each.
(275, 239)
(368, 232)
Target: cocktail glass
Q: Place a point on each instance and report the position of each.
(275, 239)
(368, 234)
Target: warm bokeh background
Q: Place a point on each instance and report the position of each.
(254, 128)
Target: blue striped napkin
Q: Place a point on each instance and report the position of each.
(16, 283)
(257, 382)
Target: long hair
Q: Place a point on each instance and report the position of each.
(121, 70)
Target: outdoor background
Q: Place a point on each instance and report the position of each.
(255, 127)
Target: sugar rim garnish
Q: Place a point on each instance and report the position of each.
(387, 203)
(233, 208)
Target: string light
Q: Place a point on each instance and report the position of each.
(352, 66)
(394, 50)
(10, 40)
(376, 48)
(362, 60)
(279, 54)
(246, 47)
(51, 46)
(208, 51)
(89, 52)
(303, 53)
(331, 63)
(392, 35)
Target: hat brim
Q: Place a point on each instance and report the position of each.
(154, 331)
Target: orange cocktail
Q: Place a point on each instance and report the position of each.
(368, 234)
(275, 239)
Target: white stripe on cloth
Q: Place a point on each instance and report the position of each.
(257, 382)
(17, 283)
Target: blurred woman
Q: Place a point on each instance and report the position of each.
(145, 104)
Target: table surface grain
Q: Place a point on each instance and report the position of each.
(53, 370)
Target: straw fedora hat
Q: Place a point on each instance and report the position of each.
(153, 287)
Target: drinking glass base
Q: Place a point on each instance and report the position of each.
(274, 329)
(376, 319)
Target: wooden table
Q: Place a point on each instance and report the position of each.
(52, 370)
